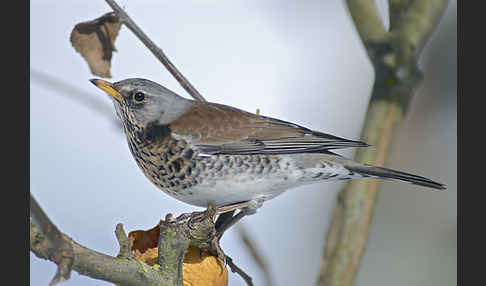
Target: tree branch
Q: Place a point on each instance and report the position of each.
(156, 51)
(188, 229)
(413, 23)
(72, 92)
(255, 254)
(172, 245)
(367, 21)
(56, 249)
(239, 271)
(121, 270)
(394, 58)
(395, 9)
(123, 242)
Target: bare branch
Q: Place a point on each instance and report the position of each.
(156, 51)
(58, 250)
(413, 25)
(395, 9)
(397, 75)
(255, 253)
(367, 21)
(172, 244)
(239, 271)
(196, 229)
(348, 232)
(70, 91)
(91, 263)
(124, 242)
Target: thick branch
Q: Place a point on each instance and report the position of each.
(56, 249)
(98, 265)
(122, 270)
(196, 229)
(413, 23)
(367, 21)
(347, 234)
(395, 9)
(397, 77)
(156, 51)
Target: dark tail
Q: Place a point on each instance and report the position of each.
(372, 171)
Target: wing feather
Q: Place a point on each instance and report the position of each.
(220, 129)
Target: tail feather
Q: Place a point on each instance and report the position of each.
(385, 173)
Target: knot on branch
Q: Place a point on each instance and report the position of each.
(395, 80)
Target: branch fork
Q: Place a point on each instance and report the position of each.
(394, 55)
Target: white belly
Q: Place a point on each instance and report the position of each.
(240, 188)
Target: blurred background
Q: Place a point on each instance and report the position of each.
(300, 61)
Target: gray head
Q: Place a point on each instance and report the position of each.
(141, 101)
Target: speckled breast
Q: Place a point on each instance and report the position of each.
(176, 168)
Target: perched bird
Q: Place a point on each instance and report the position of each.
(207, 153)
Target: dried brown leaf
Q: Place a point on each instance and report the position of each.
(199, 267)
(95, 41)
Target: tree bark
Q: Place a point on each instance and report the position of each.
(394, 55)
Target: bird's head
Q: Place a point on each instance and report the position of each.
(141, 102)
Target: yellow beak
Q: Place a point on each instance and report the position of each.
(107, 87)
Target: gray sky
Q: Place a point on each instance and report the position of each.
(299, 61)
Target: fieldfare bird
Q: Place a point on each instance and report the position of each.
(207, 153)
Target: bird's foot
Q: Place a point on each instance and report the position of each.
(215, 249)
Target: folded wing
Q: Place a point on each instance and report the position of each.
(220, 129)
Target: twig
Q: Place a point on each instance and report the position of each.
(58, 250)
(257, 256)
(123, 242)
(394, 57)
(239, 271)
(156, 51)
(70, 91)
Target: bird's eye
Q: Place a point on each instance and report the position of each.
(139, 96)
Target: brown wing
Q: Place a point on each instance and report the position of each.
(221, 129)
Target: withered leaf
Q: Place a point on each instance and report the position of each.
(94, 40)
(198, 268)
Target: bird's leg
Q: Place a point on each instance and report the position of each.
(230, 221)
(215, 241)
(223, 223)
(227, 220)
(222, 218)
